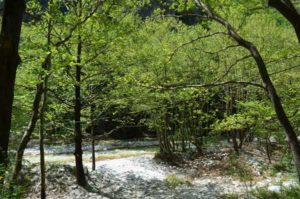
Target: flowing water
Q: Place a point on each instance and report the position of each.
(63, 154)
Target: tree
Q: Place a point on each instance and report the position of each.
(50, 20)
(77, 118)
(9, 60)
(280, 112)
(289, 11)
(43, 108)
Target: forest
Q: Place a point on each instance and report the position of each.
(150, 99)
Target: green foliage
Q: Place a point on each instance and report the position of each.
(287, 193)
(284, 165)
(237, 121)
(230, 196)
(12, 190)
(156, 68)
(173, 181)
(158, 72)
(236, 167)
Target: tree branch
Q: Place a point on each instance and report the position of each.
(288, 10)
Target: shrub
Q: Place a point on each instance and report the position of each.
(284, 165)
(230, 196)
(12, 190)
(173, 181)
(235, 167)
(287, 193)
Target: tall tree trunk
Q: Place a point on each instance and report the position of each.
(9, 60)
(281, 115)
(43, 109)
(81, 180)
(78, 134)
(42, 152)
(288, 10)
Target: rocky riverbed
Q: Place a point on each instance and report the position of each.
(141, 176)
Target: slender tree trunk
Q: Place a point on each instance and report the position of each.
(268, 149)
(281, 115)
(93, 138)
(28, 132)
(81, 180)
(41, 88)
(31, 126)
(9, 60)
(43, 109)
(242, 137)
(42, 152)
(234, 141)
(93, 154)
(160, 142)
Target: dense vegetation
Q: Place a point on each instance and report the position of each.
(193, 73)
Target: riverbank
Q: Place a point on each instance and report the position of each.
(142, 176)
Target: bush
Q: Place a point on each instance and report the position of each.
(236, 167)
(173, 181)
(230, 196)
(283, 165)
(12, 190)
(288, 193)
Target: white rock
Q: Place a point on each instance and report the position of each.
(275, 188)
(289, 184)
(273, 140)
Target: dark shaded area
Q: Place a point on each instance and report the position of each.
(145, 11)
(188, 17)
(111, 125)
(9, 61)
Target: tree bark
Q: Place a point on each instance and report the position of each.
(81, 180)
(9, 60)
(93, 138)
(288, 10)
(41, 141)
(43, 109)
(281, 115)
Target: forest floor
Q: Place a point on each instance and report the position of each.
(137, 174)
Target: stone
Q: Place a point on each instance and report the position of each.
(142, 177)
(289, 184)
(275, 188)
(74, 187)
(273, 140)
